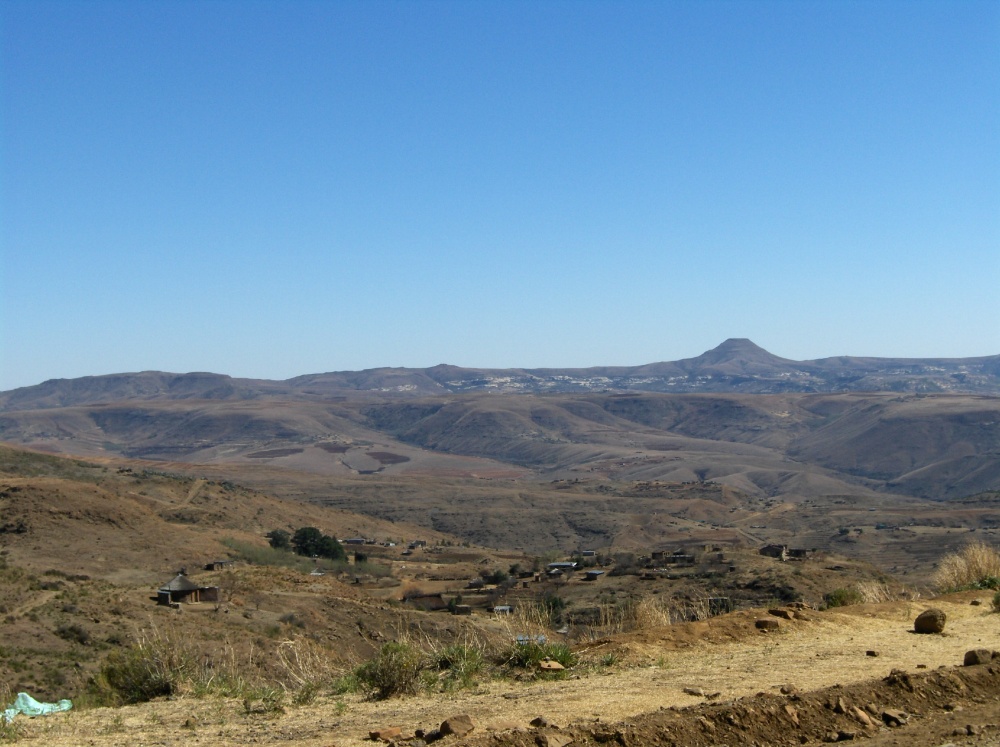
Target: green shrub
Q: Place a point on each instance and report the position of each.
(461, 663)
(133, 676)
(842, 597)
(528, 654)
(395, 670)
(996, 602)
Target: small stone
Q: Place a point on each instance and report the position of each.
(767, 625)
(871, 652)
(978, 656)
(972, 730)
(385, 734)
(831, 736)
(930, 621)
(551, 665)
(540, 722)
(840, 706)
(788, 689)
(457, 725)
(793, 714)
(785, 614)
(893, 717)
(846, 736)
(861, 716)
(696, 691)
(976, 602)
(553, 740)
(505, 726)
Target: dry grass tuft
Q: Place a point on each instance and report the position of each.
(975, 566)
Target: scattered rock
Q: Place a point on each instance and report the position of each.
(893, 717)
(767, 625)
(782, 613)
(793, 714)
(540, 722)
(457, 725)
(930, 621)
(505, 726)
(553, 740)
(871, 652)
(863, 718)
(789, 689)
(976, 602)
(385, 734)
(550, 664)
(978, 656)
(840, 706)
(696, 691)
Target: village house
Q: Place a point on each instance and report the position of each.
(182, 589)
(775, 551)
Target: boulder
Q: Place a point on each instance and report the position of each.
(930, 621)
(783, 613)
(978, 656)
(767, 624)
(457, 725)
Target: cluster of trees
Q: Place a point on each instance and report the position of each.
(308, 541)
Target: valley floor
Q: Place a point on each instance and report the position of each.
(649, 673)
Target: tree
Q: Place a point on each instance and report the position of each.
(306, 541)
(311, 542)
(279, 539)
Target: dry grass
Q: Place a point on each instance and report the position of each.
(977, 565)
(828, 650)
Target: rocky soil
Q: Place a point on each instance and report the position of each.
(857, 673)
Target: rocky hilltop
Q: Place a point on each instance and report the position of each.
(735, 366)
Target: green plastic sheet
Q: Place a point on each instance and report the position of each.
(27, 705)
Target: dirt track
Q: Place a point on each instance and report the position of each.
(725, 656)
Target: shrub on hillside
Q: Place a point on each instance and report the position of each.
(842, 598)
(460, 663)
(395, 670)
(526, 654)
(145, 671)
(975, 566)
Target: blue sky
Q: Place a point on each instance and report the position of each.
(278, 188)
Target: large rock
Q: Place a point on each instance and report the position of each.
(457, 725)
(978, 656)
(766, 624)
(930, 621)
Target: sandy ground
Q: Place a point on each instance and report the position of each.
(828, 649)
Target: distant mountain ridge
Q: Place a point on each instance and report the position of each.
(736, 366)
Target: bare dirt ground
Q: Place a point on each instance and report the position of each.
(632, 692)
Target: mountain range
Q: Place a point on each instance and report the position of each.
(737, 365)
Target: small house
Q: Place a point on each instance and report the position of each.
(775, 551)
(182, 589)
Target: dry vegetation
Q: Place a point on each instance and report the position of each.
(975, 566)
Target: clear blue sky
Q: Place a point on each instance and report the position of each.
(278, 188)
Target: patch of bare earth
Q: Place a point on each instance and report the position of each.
(718, 682)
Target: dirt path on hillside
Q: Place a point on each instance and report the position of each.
(828, 649)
